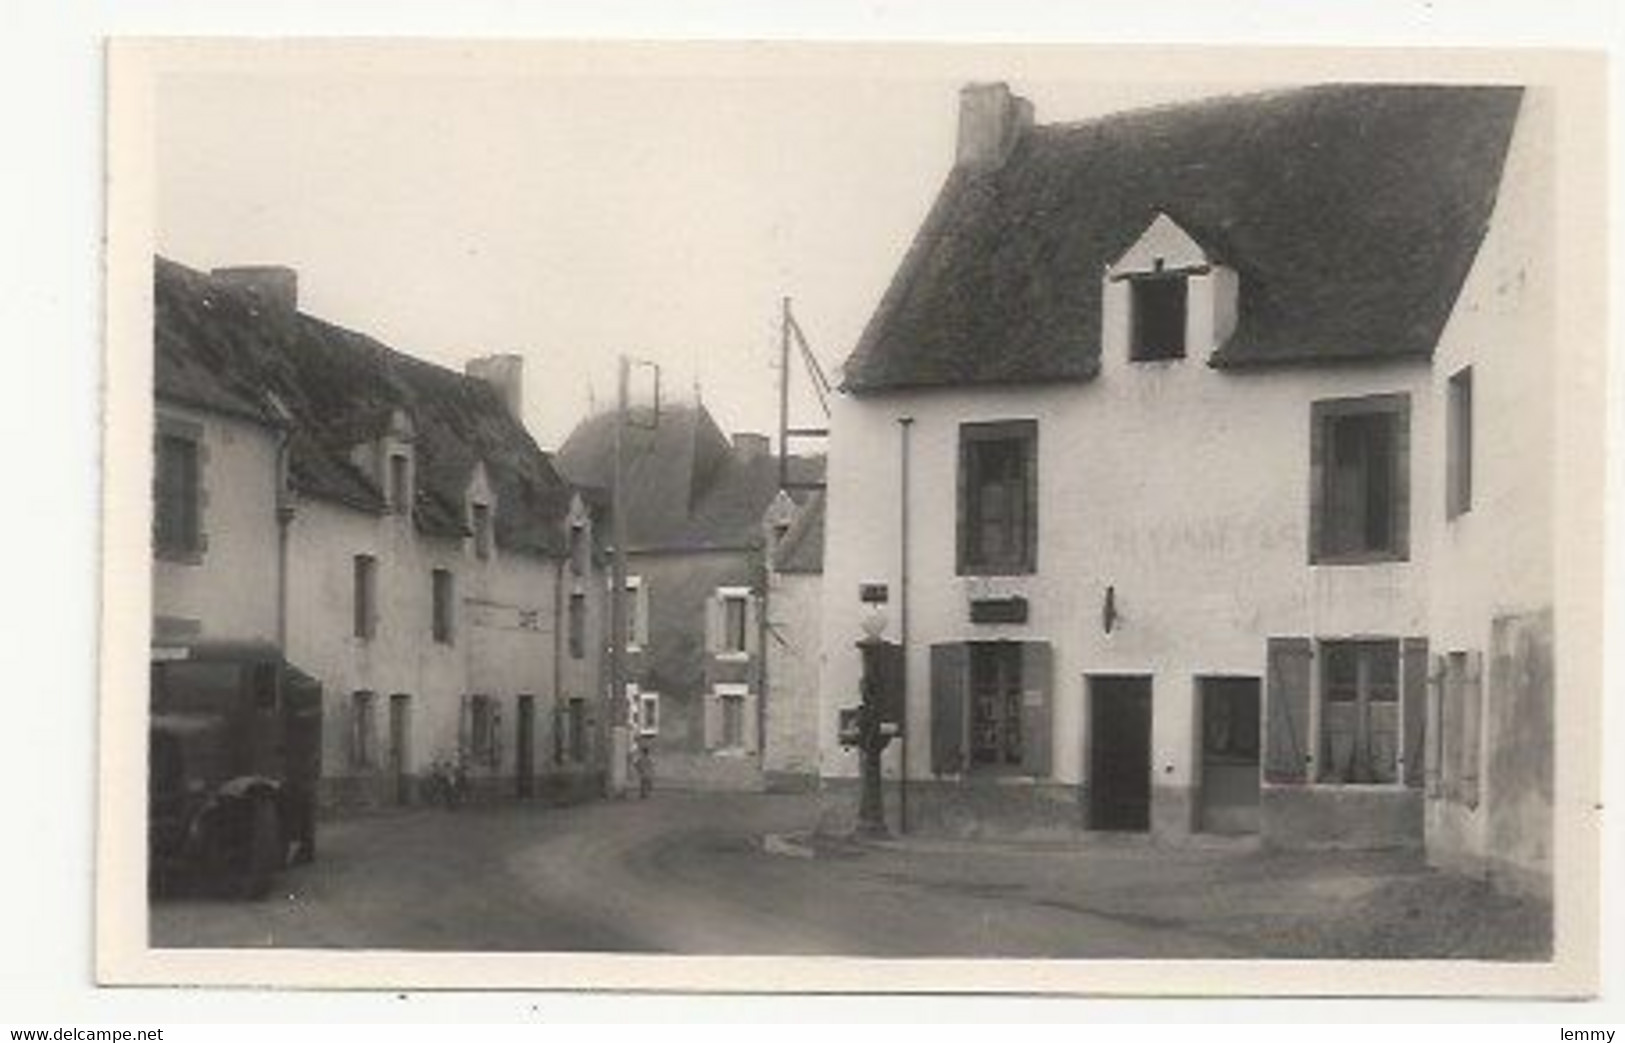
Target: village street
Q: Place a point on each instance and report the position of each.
(690, 873)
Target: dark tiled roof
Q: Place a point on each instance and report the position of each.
(1351, 213)
(341, 389)
(688, 487)
(802, 549)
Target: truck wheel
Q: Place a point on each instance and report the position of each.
(261, 854)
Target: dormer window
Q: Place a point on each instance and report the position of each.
(1167, 297)
(480, 521)
(400, 483)
(1157, 319)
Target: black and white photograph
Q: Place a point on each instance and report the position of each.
(1046, 519)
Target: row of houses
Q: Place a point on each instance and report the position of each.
(392, 527)
(1207, 451)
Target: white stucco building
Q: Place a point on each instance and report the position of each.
(1222, 422)
(391, 526)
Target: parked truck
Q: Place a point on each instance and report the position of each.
(233, 761)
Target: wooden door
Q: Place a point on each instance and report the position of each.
(1229, 741)
(1120, 753)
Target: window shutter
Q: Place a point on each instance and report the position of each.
(1287, 734)
(713, 624)
(1433, 770)
(713, 720)
(465, 724)
(1413, 693)
(1402, 483)
(641, 634)
(1036, 702)
(949, 670)
(1029, 550)
(560, 722)
(1472, 706)
(753, 625)
(1317, 483)
(748, 730)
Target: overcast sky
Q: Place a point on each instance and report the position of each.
(569, 215)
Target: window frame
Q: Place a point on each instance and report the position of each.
(481, 523)
(729, 693)
(725, 649)
(364, 596)
(1362, 703)
(364, 730)
(186, 547)
(1325, 412)
(399, 469)
(443, 606)
(1459, 423)
(1139, 285)
(576, 624)
(973, 436)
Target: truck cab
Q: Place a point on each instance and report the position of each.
(233, 762)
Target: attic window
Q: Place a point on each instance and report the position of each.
(1159, 305)
(400, 493)
(481, 516)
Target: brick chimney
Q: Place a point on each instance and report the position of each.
(505, 373)
(264, 285)
(991, 121)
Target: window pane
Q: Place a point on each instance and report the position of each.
(733, 624)
(1159, 307)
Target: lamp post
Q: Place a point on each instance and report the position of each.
(872, 735)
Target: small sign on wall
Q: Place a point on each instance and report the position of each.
(873, 593)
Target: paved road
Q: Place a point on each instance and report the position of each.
(688, 873)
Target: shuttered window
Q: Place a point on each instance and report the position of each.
(991, 708)
(365, 596)
(1370, 721)
(1359, 722)
(732, 622)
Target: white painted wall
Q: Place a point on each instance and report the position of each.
(1498, 559)
(503, 642)
(794, 654)
(1185, 488)
(232, 590)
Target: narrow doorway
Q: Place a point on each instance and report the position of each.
(400, 746)
(1229, 743)
(525, 747)
(1120, 753)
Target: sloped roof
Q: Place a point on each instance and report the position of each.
(1350, 212)
(802, 549)
(687, 486)
(340, 389)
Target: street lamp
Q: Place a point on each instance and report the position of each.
(873, 736)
